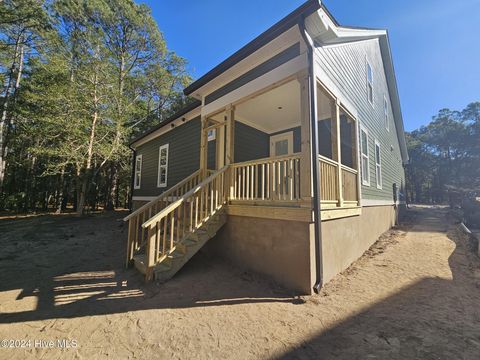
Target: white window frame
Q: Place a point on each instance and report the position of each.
(279, 137)
(370, 84)
(364, 158)
(164, 184)
(378, 165)
(138, 172)
(386, 110)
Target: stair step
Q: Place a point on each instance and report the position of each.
(184, 250)
(162, 267)
(189, 242)
(176, 254)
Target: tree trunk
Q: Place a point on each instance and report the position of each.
(111, 193)
(82, 194)
(88, 167)
(4, 120)
(61, 189)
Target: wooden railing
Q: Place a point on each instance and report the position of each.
(328, 180)
(329, 184)
(136, 234)
(167, 228)
(349, 184)
(268, 179)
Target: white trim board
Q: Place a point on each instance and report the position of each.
(276, 75)
(281, 42)
(373, 202)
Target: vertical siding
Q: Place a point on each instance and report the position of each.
(345, 65)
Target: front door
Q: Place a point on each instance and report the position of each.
(281, 144)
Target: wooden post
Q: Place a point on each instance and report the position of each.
(132, 227)
(230, 136)
(150, 254)
(359, 163)
(229, 148)
(306, 184)
(220, 147)
(337, 149)
(203, 148)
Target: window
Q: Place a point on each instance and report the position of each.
(281, 144)
(385, 113)
(137, 179)
(369, 83)
(212, 134)
(378, 164)
(365, 157)
(162, 166)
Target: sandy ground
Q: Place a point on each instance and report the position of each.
(414, 295)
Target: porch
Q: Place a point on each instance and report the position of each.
(265, 141)
(255, 161)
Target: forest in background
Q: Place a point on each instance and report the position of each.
(444, 164)
(80, 79)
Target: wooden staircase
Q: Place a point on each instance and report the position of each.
(169, 265)
(165, 233)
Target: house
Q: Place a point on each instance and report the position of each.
(289, 162)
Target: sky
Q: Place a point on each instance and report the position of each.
(435, 43)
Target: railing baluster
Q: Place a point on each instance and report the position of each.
(172, 228)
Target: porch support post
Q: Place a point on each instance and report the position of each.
(203, 147)
(358, 161)
(220, 146)
(229, 147)
(337, 149)
(306, 184)
(230, 136)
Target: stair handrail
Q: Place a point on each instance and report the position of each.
(163, 195)
(178, 202)
(171, 225)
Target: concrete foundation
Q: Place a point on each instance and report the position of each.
(345, 240)
(285, 250)
(282, 250)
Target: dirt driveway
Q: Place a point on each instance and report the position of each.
(414, 295)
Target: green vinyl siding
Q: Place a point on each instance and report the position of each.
(184, 153)
(250, 143)
(345, 65)
(183, 157)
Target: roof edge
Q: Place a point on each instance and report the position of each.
(281, 26)
(186, 109)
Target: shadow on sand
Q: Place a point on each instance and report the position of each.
(74, 267)
(389, 330)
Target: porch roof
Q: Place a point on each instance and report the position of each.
(280, 27)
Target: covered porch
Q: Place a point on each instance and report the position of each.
(265, 140)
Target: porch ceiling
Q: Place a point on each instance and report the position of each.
(275, 110)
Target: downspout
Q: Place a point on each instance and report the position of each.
(314, 152)
(132, 180)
